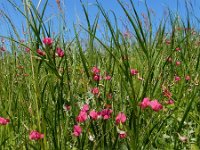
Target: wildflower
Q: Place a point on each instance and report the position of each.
(169, 59)
(133, 72)
(60, 52)
(40, 52)
(145, 103)
(105, 113)
(4, 121)
(96, 77)
(182, 138)
(66, 107)
(81, 117)
(77, 130)
(178, 63)
(85, 108)
(121, 118)
(187, 78)
(27, 49)
(178, 49)
(3, 48)
(35, 135)
(167, 93)
(95, 70)
(177, 78)
(155, 105)
(95, 90)
(170, 101)
(168, 42)
(107, 77)
(122, 135)
(94, 115)
(48, 41)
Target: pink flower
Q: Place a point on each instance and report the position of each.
(155, 105)
(66, 107)
(122, 135)
(177, 78)
(178, 63)
(27, 49)
(94, 115)
(85, 108)
(48, 41)
(105, 113)
(95, 91)
(187, 78)
(95, 70)
(81, 117)
(96, 77)
(40, 52)
(60, 52)
(167, 93)
(4, 121)
(178, 49)
(34, 135)
(168, 42)
(127, 34)
(170, 101)
(3, 48)
(145, 103)
(121, 118)
(133, 72)
(107, 77)
(77, 130)
(169, 59)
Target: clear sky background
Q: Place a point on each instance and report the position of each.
(74, 11)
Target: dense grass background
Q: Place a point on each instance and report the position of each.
(34, 88)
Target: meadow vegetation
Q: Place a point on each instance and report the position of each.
(133, 89)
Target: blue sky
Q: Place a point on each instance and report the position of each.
(74, 12)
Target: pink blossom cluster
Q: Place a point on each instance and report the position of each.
(4, 121)
(35, 135)
(96, 77)
(85, 113)
(134, 72)
(48, 42)
(96, 74)
(154, 104)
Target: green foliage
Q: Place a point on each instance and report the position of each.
(34, 88)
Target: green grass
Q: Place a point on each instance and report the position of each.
(34, 89)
